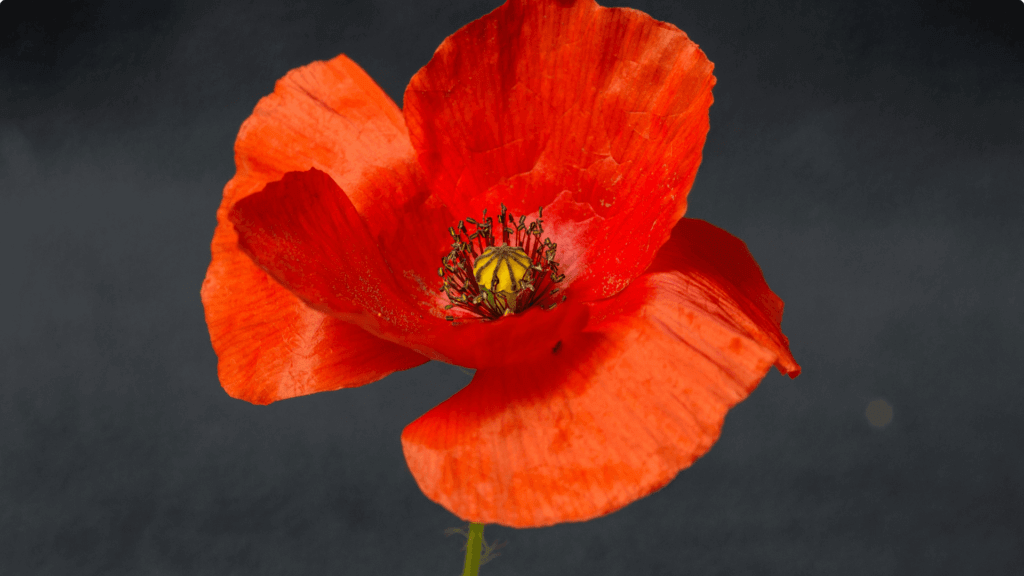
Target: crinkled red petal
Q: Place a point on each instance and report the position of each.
(545, 96)
(269, 344)
(305, 233)
(722, 263)
(614, 412)
(330, 116)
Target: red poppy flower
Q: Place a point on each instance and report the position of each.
(610, 335)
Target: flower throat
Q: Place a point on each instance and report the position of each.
(488, 281)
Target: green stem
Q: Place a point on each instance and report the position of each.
(473, 544)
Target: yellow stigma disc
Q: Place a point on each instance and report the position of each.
(508, 264)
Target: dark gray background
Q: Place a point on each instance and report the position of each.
(871, 154)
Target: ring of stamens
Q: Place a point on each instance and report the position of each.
(486, 280)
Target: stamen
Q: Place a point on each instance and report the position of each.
(486, 280)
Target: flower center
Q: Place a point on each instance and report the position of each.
(485, 280)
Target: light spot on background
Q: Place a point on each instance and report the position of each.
(879, 413)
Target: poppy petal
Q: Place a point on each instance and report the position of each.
(722, 262)
(269, 344)
(613, 413)
(543, 96)
(308, 237)
(330, 116)
(305, 232)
